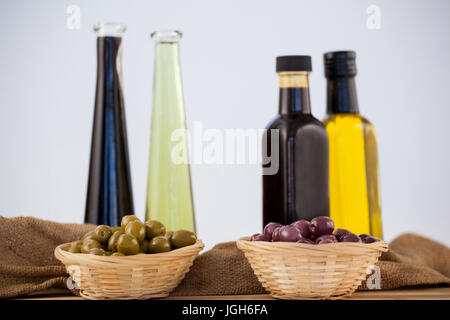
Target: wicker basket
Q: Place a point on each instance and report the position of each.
(129, 277)
(304, 271)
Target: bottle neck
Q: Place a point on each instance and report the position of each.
(167, 52)
(341, 95)
(167, 74)
(294, 93)
(109, 58)
(167, 55)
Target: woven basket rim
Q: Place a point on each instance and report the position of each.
(69, 258)
(337, 247)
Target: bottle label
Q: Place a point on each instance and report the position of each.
(294, 79)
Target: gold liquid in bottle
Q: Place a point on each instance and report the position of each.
(354, 178)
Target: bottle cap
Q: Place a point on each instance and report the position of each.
(340, 64)
(109, 29)
(293, 63)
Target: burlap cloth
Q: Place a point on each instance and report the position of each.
(27, 263)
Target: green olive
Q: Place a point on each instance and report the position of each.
(127, 244)
(89, 244)
(114, 229)
(108, 253)
(74, 247)
(127, 219)
(168, 235)
(136, 229)
(144, 246)
(159, 244)
(102, 233)
(154, 228)
(90, 234)
(97, 251)
(183, 238)
(116, 254)
(112, 243)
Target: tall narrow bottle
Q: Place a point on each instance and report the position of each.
(169, 195)
(354, 183)
(109, 194)
(299, 188)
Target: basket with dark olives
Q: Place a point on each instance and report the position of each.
(318, 231)
(131, 238)
(311, 259)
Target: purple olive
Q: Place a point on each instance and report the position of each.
(330, 237)
(306, 241)
(365, 238)
(303, 227)
(260, 237)
(313, 237)
(289, 234)
(326, 241)
(268, 229)
(276, 234)
(321, 225)
(350, 237)
(339, 233)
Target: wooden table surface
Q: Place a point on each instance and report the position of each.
(404, 294)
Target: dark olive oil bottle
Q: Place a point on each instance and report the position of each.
(295, 175)
(109, 195)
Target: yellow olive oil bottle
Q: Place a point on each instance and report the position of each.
(353, 157)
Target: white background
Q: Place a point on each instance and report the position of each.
(47, 88)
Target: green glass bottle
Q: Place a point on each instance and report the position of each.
(169, 194)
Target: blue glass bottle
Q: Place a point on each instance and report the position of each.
(109, 194)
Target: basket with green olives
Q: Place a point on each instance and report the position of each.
(131, 238)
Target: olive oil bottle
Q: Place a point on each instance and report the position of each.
(298, 187)
(169, 193)
(354, 179)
